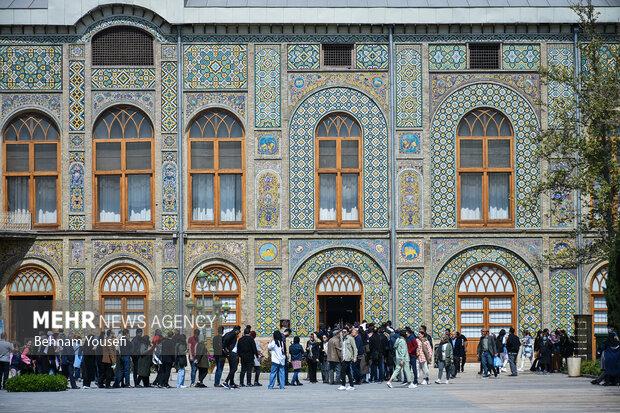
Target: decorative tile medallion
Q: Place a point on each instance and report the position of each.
(268, 200)
(409, 143)
(77, 253)
(215, 66)
(563, 298)
(410, 252)
(268, 252)
(410, 296)
(169, 222)
(303, 56)
(268, 144)
(409, 199)
(371, 56)
(268, 304)
(521, 56)
(169, 253)
(267, 95)
(168, 96)
(30, 67)
(76, 95)
(168, 51)
(76, 51)
(408, 86)
(123, 78)
(169, 182)
(447, 57)
(76, 184)
(77, 222)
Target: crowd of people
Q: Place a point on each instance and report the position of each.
(346, 356)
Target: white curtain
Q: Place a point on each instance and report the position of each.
(230, 197)
(327, 197)
(109, 198)
(46, 200)
(139, 197)
(349, 197)
(499, 193)
(471, 196)
(202, 197)
(17, 188)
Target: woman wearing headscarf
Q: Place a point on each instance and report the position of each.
(443, 359)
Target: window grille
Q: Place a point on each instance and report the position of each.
(337, 55)
(484, 56)
(122, 46)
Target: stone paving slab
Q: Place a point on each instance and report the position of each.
(468, 393)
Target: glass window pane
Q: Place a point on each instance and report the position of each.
(202, 155)
(44, 157)
(499, 195)
(202, 197)
(471, 196)
(500, 303)
(600, 302)
(230, 155)
(138, 155)
(139, 197)
(17, 158)
(500, 317)
(349, 154)
(18, 197)
(350, 197)
(230, 198)
(499, 153)
(470, 153)
(109, 198)
(108, 156)
(112, 303)
(471, 304)
(46, 199)
(472, 332)
(231, 302)
(496, 329)
(327, 154)
(600, 316)
(236, 131)
(472, 317)
(601, 329)
(327, 197)
(135, 303)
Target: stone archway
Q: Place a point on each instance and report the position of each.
(529, 298)
(303, 286)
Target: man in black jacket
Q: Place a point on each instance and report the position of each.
(135, 354)
(229, 348)
(458, 351)
(512, 346)
(246, 348)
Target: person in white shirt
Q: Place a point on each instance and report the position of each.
(278, 359)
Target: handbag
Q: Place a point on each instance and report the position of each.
(497, 362)
(296, 364)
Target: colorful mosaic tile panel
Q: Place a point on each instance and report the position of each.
(371, 56)
(410, 296)
(77, 291)
(268, 143)
(410, 251)
(408, 86)
(210, 66)
(268, 303)
(447, 57)
(123, 78)
(232, 250)
(409, 199)
(76, 95)
(47, 102)
(169, 182)
(563, 297)
(169, 222)
(268, 252)
(443, 141)
(169, 286)
(197, 102)
(303, 56)
(104, 250)
(76, 51)
(30, 67)
(169, 96)
(77, 253)
(169, 253)
(521, 56)
(168, 51)
(268, 200)
(267, 95)
(77, 222)
(103, 99)
(76, 183)
(409, 143)
(303, 287)
(558, 56)
(302, 129)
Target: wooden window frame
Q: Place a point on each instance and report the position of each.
(196, 295)
(338, 171)
(216, 172)
(485, 170)
(124, 295)
(31, 173)
(593, 295)
(123, 173)
(318, 294)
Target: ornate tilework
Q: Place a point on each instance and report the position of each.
(77, 222)
(408, 86)
(116, 20)
(169, 253)
(268, 252)
(268, 200)
(447, 57)
(169, 222)
(168, 96)
(267, 95)
(169, 286)
(563, 296)
(303, 56)
(529, 299)
(371, 56)
(77, 253)
(558, 56)
(76, 51)
(48, 250)
(169, 182)
(76, 95)
(210, 66)
(409, 199)
(303, 286)
(410, 252)
(169, 142)
(76, 142)
(409, 143)
(374, 129)
(76, 184)
(47, 102)
(31, 67)
(521, 56)
(562, 210)
(77, 291)
(197, 102)
(123, 78)
(104, 99)
(105, 250)
(410, 297)
(268, 144)
(443, 137)
(268, 304)
(197, 251)
(168, 51)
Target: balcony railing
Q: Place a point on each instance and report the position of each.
(15, 221)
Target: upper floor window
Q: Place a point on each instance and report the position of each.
(30, 147)
(122, 46)
(485, 169)
(338, 55)
(216, 179)
(338, 171)
(123, 168)
(484, 56)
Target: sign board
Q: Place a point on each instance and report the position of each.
(583, 336)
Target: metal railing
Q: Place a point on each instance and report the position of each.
(15, 221)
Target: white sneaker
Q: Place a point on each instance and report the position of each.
(424, 383)
(85, 387)
(182, 387)
(437, 381)
(412, 386)
(342, 388)
(389, 384)
(447, 381)
(350, 388)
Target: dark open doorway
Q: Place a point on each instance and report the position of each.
(22, 309)
(339, 309)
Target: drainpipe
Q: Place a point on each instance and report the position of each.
(393, 170)
(180, 180)
(577, 58)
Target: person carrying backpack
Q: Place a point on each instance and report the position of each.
(180, 358)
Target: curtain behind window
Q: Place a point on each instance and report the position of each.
(46, 200)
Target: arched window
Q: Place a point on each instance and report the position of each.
(31, 281)
(226, 289)
(486, 300)
(122, 46)
(598, 303)
(123, 153)
(338, 151)
(123, 297)
(30, 147)
(216, 169)
(339, 281)
(485, 169)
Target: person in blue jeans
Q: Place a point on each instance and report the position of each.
(278, 360)
(297, 354)
(121, 377)
(486, 350)
(218, 356)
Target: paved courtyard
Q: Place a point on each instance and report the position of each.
(528, 392)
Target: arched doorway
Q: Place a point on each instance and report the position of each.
(598, 307)
(31, 289)
(339, 294)
(123, 298)
(226, 289)
(485, 300)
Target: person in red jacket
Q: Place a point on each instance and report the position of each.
(412, 349)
